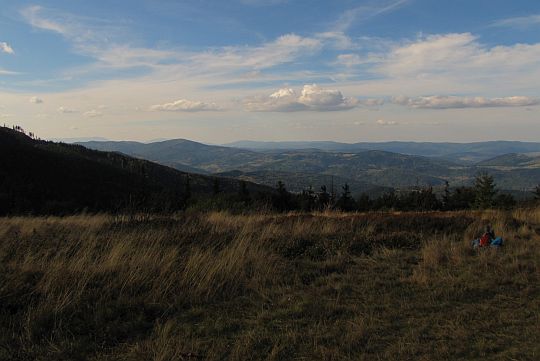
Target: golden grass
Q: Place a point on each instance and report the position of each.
(329, 286)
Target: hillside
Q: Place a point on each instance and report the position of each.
(47, 177)
(323, 286)
(512, 160)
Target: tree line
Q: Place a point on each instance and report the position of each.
(482, 195)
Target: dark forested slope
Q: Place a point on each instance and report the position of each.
(45, 177)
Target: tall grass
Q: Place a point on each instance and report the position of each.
(217, 286)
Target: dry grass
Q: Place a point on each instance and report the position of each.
(325, 286)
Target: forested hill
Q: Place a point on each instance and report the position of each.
(45, 177)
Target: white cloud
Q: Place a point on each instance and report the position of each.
(93, 113)
(35, 100)
(519, 22)
(284, 49)
(283, 93)
(6, 48)
(457, 55)
(386, 122)
(366, 12)
(449, 102)
(32, 15)
(65, 110)
(184, 105)
(8, 72)
(312, 97)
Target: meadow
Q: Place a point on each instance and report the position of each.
(296, 286)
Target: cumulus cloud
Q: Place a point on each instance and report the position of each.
(6, 48)
(93, 113)
(184, 105)
(36, 100)
(66, 110)
(312, 97)
(450, 102)
(386, 122)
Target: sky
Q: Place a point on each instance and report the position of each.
(218, 71)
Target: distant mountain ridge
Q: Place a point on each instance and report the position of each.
(471, 152)
(366, 170)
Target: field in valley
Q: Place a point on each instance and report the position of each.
(322, 286)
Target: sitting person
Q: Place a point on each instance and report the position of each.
(488, 239)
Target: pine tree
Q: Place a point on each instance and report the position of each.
(307, 199)
(345, 201)
(485, 191)
(323, 198)
(446, 196)
(282, 199)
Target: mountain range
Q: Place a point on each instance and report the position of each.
(367, 167)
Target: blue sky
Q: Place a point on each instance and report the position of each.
(218, 71)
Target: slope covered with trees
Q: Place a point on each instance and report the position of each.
(45, 177)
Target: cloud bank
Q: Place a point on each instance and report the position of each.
(453, 102)
(184, 105)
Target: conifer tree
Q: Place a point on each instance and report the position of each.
(485, 191)
(346, 201)
(323, 198)
(446, 196)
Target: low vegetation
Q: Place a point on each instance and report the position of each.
(293, 286)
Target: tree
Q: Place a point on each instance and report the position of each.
(485, 191)
(388, 200)
(323, 198)
(537, 193)
(345, 201)
(420, 200)
(307, 199)
(505, 201)
(446, 196)
(462, 198)
(364, 203)
(282, 200)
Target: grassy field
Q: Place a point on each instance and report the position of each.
(216, 286)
